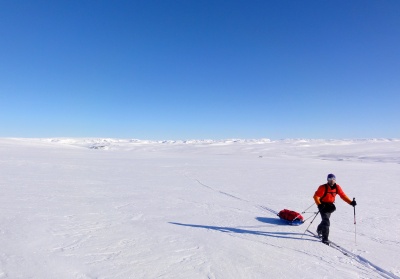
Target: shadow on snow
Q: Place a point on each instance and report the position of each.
(273, 221)
(286, 235)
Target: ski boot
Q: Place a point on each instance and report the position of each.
(325, 241)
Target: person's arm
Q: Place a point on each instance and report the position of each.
(317, 199)
(318, 194)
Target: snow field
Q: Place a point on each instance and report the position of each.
(142, 209)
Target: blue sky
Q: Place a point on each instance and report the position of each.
(182, 69)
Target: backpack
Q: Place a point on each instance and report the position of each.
(327, 192)
(328, 207)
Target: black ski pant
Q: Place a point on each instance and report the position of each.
(323, 227)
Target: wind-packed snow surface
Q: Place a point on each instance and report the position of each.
(107, 208)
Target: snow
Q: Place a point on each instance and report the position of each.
(128, 208)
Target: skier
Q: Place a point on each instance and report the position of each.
(324, 198)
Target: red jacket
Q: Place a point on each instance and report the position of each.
(330, 195)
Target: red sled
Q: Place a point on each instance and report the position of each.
(292, 217)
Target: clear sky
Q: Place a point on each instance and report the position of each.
(190, 69)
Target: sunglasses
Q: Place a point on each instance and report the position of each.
(332, 178)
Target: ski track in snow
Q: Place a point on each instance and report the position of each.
(384, 273)
(221, 192)
(275, 213)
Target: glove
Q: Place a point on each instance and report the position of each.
(353, 203)
(321, 207)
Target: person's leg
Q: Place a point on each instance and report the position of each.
(323, 227)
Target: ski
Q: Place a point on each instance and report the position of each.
(333, 245)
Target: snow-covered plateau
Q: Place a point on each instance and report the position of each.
(114, 208)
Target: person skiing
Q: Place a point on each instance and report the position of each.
(324, 197)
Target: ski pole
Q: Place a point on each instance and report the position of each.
(355, 224)
(310, 224)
